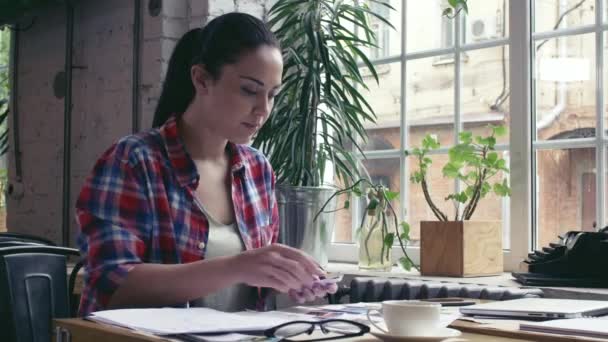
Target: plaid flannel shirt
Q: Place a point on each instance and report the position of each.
(138, 206)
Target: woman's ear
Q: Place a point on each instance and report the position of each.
(201, 79)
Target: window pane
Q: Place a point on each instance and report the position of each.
(573, 13)
(485, 90)
(385, 171)
(343, 228)
(565, 87)
(426, 28)
(430, 99)
(385, 99)
(605, 80)
(439, 188)
(487, 20)
(382, 171)
(388, 39)
(565, 192)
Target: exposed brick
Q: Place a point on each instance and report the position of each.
(198, 8)
(198, 21)
(175, 28)
(102, 97)
(167, 47)
(175, 8)
(221, 6)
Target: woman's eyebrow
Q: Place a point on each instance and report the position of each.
(257, 81)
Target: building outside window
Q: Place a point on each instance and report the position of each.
(556, 158)
(381, 30)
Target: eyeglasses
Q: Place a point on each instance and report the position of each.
(340, 328)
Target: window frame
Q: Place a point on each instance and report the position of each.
(600, 31)
(519, 215)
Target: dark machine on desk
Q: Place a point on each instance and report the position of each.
(577, 259)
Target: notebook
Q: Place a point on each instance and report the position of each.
(170, 321)
(589, 327)
(539, 308)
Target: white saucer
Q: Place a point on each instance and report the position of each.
(439, 335)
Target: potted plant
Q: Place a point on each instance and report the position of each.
(319, 112)
(460, 247)
(379, 226)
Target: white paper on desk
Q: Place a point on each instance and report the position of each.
(167, 321)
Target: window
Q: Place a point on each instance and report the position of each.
(531, 65)
(568, 119)
(381, 30)
(417, 97)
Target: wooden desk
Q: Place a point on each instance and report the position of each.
(85, 331)
(80, 330)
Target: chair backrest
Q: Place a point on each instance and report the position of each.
(33, 291)
(7, 236)
(4, 244)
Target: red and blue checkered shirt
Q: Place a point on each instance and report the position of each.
(138, 206)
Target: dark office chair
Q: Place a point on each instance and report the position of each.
(33, 291)
(372, 289)
(7, 236)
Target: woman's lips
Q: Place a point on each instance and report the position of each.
(250, 126)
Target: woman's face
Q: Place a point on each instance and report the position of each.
(236, 105)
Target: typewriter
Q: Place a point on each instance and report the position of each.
(577, 259)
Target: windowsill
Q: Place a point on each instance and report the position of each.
(505, 279)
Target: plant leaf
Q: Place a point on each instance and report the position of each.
(391, 195)
(405, 263)
(389, 239)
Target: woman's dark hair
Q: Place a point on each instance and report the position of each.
(222, 41)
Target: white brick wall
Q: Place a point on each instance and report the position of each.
(101, 93)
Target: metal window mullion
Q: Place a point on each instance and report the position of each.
(600, 131)
(457, 85)
(564, 144)
(484, 45)
(429, 53)
(533, 134)
(379, 154)
(445, 51)
(564, 32)
(403, 164)
(520, 134)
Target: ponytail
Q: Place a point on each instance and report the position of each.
(222, 41)
(178, 90)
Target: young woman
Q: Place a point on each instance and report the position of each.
(185, 213)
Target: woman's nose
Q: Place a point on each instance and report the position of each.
(263, 105)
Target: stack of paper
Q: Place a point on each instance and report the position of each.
(169, 321)
(590, 327)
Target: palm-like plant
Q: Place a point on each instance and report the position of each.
(320, 111)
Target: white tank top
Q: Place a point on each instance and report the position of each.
(225, 240)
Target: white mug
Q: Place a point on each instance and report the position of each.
(408, 317)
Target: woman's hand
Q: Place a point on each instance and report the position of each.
(318, 289)
(277, 266)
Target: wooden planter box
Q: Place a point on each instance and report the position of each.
(461, 248)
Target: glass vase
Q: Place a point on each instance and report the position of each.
(373, 254)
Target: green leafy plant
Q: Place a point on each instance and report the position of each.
(456, 6)
(378, 199)
(320, 110)
(474, 161)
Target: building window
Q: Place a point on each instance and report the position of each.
(381, 30)
(443, 100)
(567, 117)
(558, 146)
